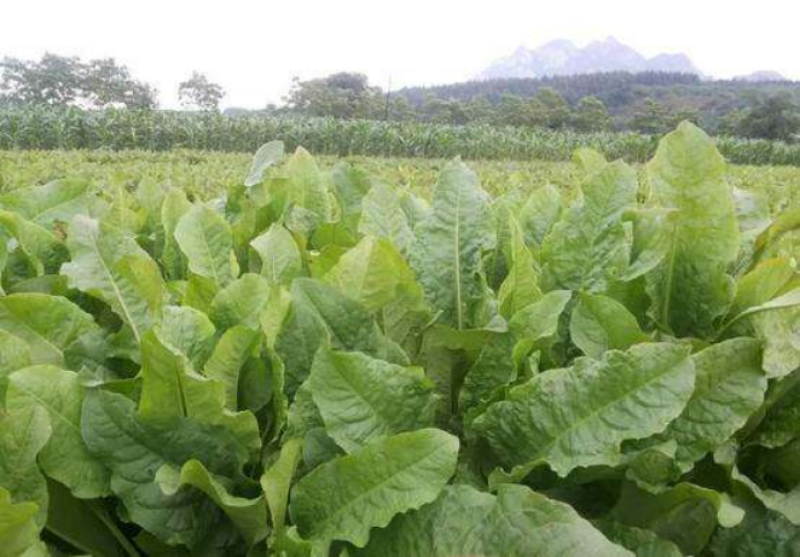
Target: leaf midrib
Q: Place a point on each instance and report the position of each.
(372, 489)
(599, 410)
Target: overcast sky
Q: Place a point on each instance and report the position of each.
(254, 48)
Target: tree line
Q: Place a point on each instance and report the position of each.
(649, 102)
(57, 80)
(769, 113)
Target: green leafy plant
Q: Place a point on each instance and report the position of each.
(319, 364)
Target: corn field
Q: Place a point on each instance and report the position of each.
(48, 129)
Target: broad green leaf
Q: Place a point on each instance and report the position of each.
(493, 369)
(521, 286)
(274, 314)
(170, 390)
(367, 489)
(517, 522)
(288, 543)
(768, 280)
(382, 217)
(450, 242)
(231, 353)
(123, 212)
(599, 324)
(588, 160)
(404, 318)
(691, 288)
(249, 516)
(587, 248)
(470, 341)
(651, 227)
(198, 293)
(780, 329)
(49, 324)
(241, 302)
(363, 399)
(323, 261)
(351, 184)
(766, 305)
(14, 354)
(578, 417)
(540, 319)
(303, 414)
(64, 458)
(790, 299)
(539, 213)
(319, 313)
(41, 248)
(308, 187)
(498, 260)
(206, 240)
(280, 257)
(786, 222)
(267, 156)
(56, 201)
(535, 326)
(87, 525)
(415, 208)
(19, 532)
(781, 419)
(259, 383)
(23, 434)
(374, 274)
(277, 479)
(172, 210)
(150, 194)
(685, 514)
(112, 267)
(188, 331)
(164, 378)
(729, 388)
(135, 451)
(332, 234)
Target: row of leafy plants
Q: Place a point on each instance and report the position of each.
(46, 128)
(319, 364)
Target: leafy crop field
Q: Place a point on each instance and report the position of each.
(211, 355)
(208, 174)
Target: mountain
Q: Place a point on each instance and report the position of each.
(562, 57)
(761, 77)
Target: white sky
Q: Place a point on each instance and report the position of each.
(253, 48)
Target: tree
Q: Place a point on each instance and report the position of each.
(199, 93)
(775, 117)
(106, 83)
(729, 124)
(400, 109)
(556, 111)
(67, 81)
(54, 80)
(591, 115)
(520, 112)
(651, 118)
(445, 111)
(340, 95)
(686, 114)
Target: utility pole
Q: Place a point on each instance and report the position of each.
(388, 92)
